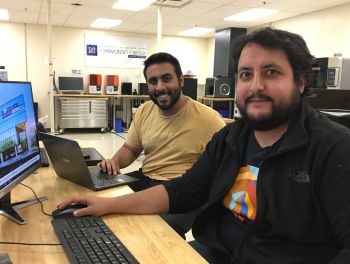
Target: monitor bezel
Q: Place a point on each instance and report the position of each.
(36, 165)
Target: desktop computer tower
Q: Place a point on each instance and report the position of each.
(190, 87)
(219, 87)
(112, 84)
(95, 84)
(126, 88)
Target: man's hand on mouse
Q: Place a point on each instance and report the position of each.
(110, 166)
(96, 206)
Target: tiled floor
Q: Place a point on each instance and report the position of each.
(107, 144)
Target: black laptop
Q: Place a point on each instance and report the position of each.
(68, 162)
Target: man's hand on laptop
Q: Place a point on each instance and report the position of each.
(110, 166)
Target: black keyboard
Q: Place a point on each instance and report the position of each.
(89, 240)
(44, 158)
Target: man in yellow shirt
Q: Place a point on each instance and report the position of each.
(172, 130)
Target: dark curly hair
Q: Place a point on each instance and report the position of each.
(293, 45)
(162, 57)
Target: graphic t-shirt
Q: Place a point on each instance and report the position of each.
(240, 201)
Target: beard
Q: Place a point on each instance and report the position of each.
(174, 97)
(280, 113)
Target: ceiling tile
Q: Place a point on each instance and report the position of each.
(77, 21)
(196, 8)
(89, 11)
(131, 26)
(105, 3)
(58, 8)
(313, 6)
(57, 20)
(253, 3)
(288, 4)
(24, 17)
(145, 17)
(29, 5)
(224, 11)
(221, 2)
(148, 28)
(119, 14)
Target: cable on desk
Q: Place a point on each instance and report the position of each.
(32, 244)
(29, 244)
(36, 197)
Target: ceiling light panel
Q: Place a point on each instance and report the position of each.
(196, 31)
(134, 5)
(252, 14)
(105, 23)
(4, 14)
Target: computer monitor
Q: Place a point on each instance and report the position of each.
(19, 150)
(70, 84)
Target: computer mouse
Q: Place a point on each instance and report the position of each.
(67, 211)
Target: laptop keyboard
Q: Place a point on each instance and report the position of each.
(89, 240)
(101, 179)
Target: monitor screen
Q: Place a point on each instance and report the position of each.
(70, 84)
(19, 151)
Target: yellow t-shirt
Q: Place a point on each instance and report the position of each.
(172, 144)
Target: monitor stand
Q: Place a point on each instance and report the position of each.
(9, 209)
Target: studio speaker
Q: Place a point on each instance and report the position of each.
(190, 87)
(126, 87)
(142, 88)
(219, 87)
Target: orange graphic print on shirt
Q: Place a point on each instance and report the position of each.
(241, 198)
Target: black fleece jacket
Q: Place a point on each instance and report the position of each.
(303, 193)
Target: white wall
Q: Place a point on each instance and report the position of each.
(326, 32)
(12, 50)
(24, 52)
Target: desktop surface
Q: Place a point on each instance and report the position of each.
(148, 237)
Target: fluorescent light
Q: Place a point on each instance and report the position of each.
(251, 14)
(105, 23)
(4, 14)
(134, 5)
(196, 31)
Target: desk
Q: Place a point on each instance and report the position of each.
(148, 237)
(204, 99)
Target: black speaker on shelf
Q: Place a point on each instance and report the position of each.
(126, 88)
(219, 87)
(142, 88)
(190, 87)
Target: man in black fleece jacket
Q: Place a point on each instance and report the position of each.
(274, 185)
